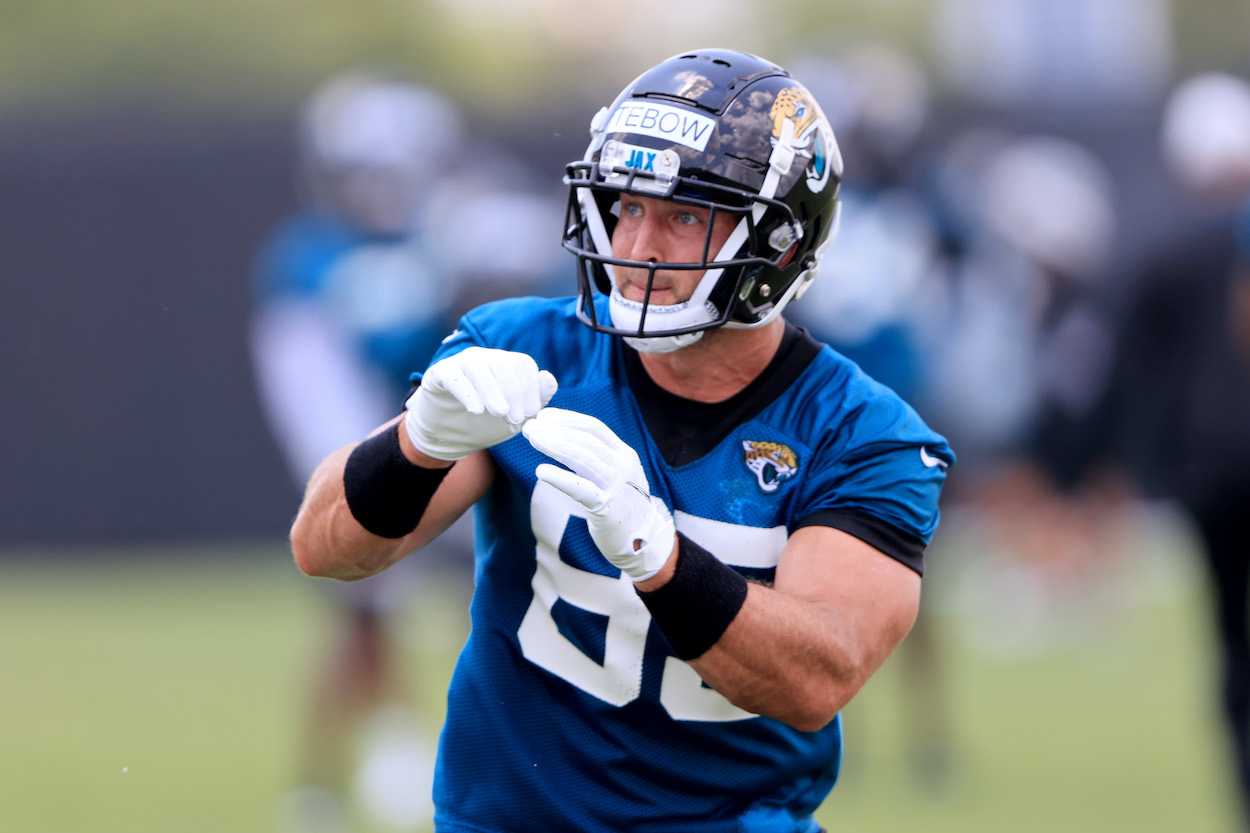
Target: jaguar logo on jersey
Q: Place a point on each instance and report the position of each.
(811, 130)
(770, 462)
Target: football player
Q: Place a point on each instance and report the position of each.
(699, 531)
(1186, 361)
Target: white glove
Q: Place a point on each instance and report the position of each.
(475, 399)
(633, 529)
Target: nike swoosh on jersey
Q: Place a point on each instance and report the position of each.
(929, 460)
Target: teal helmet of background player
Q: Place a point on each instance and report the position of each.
(723, 130)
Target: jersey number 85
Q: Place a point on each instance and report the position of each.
(618, 680)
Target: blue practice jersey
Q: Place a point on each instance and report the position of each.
(567, 709)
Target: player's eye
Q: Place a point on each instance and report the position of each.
(688, 218)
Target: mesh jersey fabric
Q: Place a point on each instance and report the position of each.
(567, 709)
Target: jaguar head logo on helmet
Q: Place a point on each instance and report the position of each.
(723, 131)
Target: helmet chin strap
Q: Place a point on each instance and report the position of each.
(627, 314)
(663, 344)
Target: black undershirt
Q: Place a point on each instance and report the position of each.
(685, 430)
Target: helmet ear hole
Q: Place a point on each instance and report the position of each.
(748, 286)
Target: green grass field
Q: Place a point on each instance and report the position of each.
(162, 694)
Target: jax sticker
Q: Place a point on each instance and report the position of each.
(659, 166)
(663, 121)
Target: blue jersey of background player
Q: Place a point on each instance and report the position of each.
(348, 296)
(710, 531)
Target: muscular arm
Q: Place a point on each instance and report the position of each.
(328, 541)
(797, 651)
(800, 650)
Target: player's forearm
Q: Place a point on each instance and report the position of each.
(797, 650)
(327, 540)
(791, 659)
(771, 652)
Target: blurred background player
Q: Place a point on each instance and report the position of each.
(1030, 319)
(872, 310)
(1182, 390)
(1035, 218)
(350, 297)
(489, 224)
(875, 303)
(1074, 394)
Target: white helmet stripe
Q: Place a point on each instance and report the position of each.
(598, 231)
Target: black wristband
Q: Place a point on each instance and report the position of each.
(386, 492)
(698, 603)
